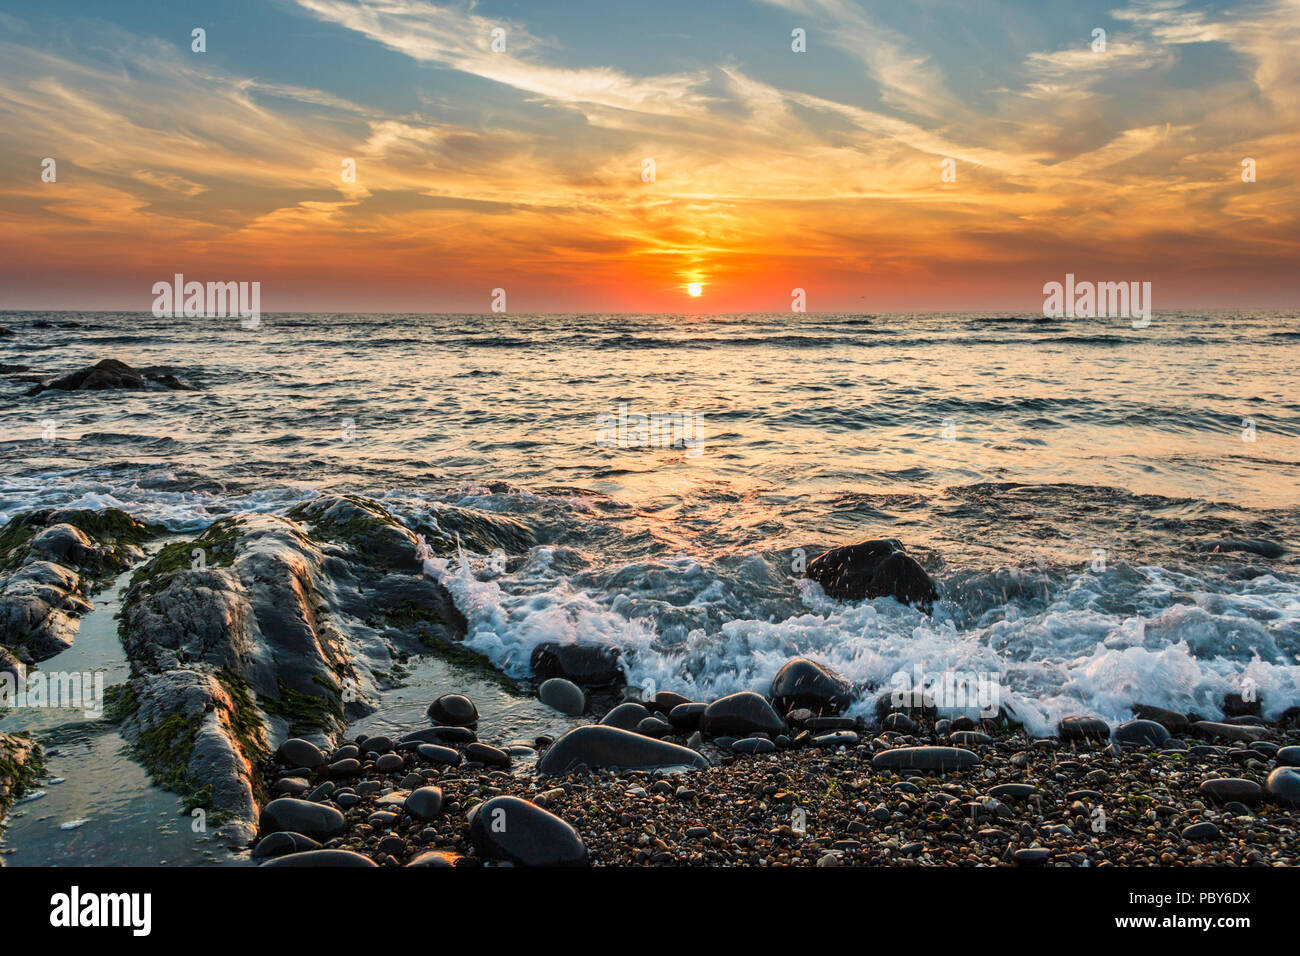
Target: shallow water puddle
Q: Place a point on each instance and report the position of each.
(104, 810)
(504, 716)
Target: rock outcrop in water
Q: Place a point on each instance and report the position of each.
(265, 628)
(873, 569)
(112, 374)
(50, 563)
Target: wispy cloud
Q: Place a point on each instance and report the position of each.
(462, 40)
(767, 173)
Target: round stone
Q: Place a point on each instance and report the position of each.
(564, 695)
(1283, 785)
(1083, 728)
(389, 763)
(322, 858)
(297, 752)
(1228, 789)
(1289, 756)
(438, 754)
(315, 820)
(425, 803)
(1200, 832)
(1142, 733)
(483, 753)
(625, 716)
(741, 714)
(517, 831)
(456, 710)
(654, 727)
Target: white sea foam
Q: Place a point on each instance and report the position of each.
(1067, 655)
(146, 498)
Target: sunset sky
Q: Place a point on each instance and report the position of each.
(774, 169)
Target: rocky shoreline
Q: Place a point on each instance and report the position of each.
(254, 645)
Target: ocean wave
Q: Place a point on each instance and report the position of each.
(1091, 644)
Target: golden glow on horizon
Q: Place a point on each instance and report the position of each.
(766, 184)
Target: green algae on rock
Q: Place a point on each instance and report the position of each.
(21, 764)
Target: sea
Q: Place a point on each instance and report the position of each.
(1109, 512)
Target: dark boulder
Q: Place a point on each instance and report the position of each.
(1229, 789)
(1083, 728)
(873, 569)
(282, 842)
(687, 716)
(838, 738)
(1209, 730)
(802, 683)
(1235, 705)
(112, 374)
(454, 710)
(439, 735)
(564, 695)
(486, 753)
(516, 831)
(1142, 732)
(665, 701)
(654, 727)
(598, 747)
(378, 744)
(297, 752)
(1171, 720)
(424, 803)
(924, 759)
(437, 754)
(900, 723)
(587, 665)
(1283, 785)
(625, 716)
(314, 820)
(740, 715)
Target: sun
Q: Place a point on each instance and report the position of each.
(695, 288)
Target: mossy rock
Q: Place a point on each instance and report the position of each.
(120, 702)
(479, 532)
(110, 528)
(306, 713)
(22, 764)
(219, 544)
(375, 537)
(246, 722)
(165, 750)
